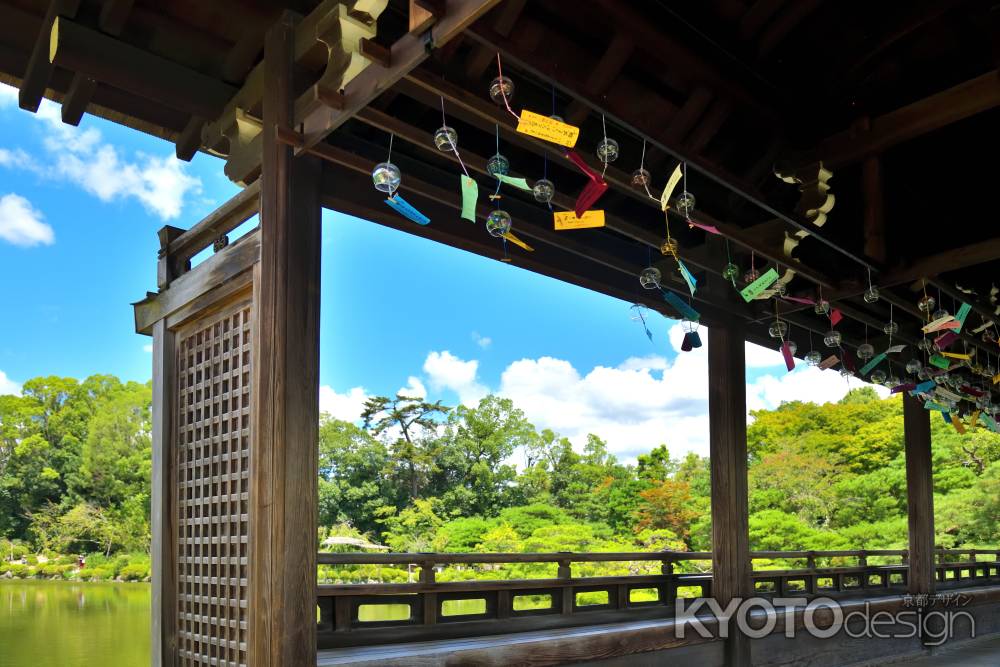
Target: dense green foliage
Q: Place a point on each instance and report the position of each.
(75, 465)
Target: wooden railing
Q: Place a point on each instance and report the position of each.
(426, 608)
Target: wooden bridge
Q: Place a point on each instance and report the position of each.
(846, 145)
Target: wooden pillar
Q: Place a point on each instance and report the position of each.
(285, 412)
(874, 201)
(163, 529)
(919, 494)
(728, 461)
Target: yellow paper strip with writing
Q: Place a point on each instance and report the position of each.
(668, 190)
(956, 355)
(549, 129)
(516, 241)
(568, 220)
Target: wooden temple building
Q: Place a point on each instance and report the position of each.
(848, 146)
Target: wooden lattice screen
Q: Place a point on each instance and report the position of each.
(212, 466)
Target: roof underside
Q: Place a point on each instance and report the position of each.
(899, 102)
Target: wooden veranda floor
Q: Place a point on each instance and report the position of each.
(983, 652)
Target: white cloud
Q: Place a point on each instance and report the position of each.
(8, 386)
(347, 406)
(482, 341)
(81, 156)
(414, 388)
(446, 371)
(805, 383)
(21, 224)
(147, 348)
(8, 96)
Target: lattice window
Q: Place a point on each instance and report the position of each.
(213, 464)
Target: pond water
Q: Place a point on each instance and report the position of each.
(65, 624)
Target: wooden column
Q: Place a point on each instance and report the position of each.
(163, 529)
(728, 460)
(285, 413)
(919, 494)
(874, 208)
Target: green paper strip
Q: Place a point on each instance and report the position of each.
(963, 312)
(940, 361)
(516, 182)
(470, 195)
(872, 364)
(931, 405)
(750, 292)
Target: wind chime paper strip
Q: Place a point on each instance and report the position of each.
(958, 424)
(931, 405)
(902, 387)
(542, 127)
(962, 313)
(668, 189)
(990, 422)
(923, 387)
(592, 191)
(945, 393)
(756, 287)
(894, 349)
(939, 361)
(681, 306)
(945, 339)
(711, 229)
(956, 355)
(518, 242)
(946, 417)
(996, 378)
(974, 420)
(937, 324)
(637, 307)
(849, 363)
(786, 352)
(405, 209)
(800, 299)
(876, 360)
(972, 391)
(688, 278)
(470, 195)
(516, 182)
(835, 317)
(829, 362)
(570, 220)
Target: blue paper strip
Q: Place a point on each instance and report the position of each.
(686, 311)
(405, 209)
(688, 278)
(923, 387)
(947, 417)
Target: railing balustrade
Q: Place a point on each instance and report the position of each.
(426, 608)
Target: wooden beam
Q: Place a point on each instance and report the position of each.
(615, 57)
(406, 54)
(118, 64)
(36, 78)
(222, 220)
(284, 414)
(943, 262)
(727, 424)
(919, 494)
(114, 14)
(422, 18)
(874, 204)
(931, 113)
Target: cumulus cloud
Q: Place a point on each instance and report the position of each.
(8, 386)
(160, 184)
(8, 96)
(16, 158)
(22, 224)
(414, 388)
(446, 371)
(347, 406)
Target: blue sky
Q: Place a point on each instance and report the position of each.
(79, 211)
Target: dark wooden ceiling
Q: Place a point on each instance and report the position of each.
(900, 101)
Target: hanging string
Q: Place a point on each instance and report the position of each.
(604, 127)
(454, 148)
(388, 159)
(644, 173)
(503, 93)
(496, 195)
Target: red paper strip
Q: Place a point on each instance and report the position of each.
(593, 190)
(835, 316)
(971, 391)
(786, 352)
(945, 339)
(849, 361)
(829, 362)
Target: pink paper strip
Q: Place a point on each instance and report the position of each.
(800, 299)
(835, 316)
(711, 229)
(909, 386)
(828, 362)
(786, 352)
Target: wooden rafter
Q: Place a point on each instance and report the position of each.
(36, 78)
